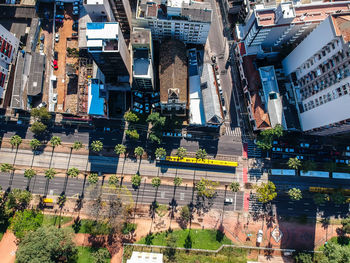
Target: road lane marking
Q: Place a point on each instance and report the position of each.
(182, 196)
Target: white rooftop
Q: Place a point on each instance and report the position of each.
(177, 3)
(197, 116)
(145, 257)
(102, 30)
(315, 41)
(94, 2)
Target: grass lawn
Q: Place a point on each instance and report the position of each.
(195, 238)
(85, 256)
(53, 220)
(91, 227)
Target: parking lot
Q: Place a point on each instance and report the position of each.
(66, 46)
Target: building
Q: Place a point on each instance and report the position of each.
(145, 257)
(142, 53)
(173, 78)
(122, 14)
(106, 45)
(185, 20)
(204, 103)
(8, 51)
(268, 29)
(99, 10)
(97, 99)
(319, 69)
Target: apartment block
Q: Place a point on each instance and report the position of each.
(106, 45)
(142, 57)
(122, 14)
(8, 50)
(319, 70)
(268, 29)
(185, 20)
(173, 78)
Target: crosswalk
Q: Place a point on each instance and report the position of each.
(232, 131)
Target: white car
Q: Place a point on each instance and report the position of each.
(57, 37)
(259, 236)
(54, 98)
(228, 200)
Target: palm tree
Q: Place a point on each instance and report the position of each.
(15, 142)
(93, 178)
(294, 163)
(201, 154)
(113, 180)
(29, 174)
(71, 172)
(77, 145)
(49, 174)
(139, 152)
(121, 149)
(234, 186)
(177, 181)
(55, 141)
(181, 152)
(160, 153)
(96, 146)
(156, 181)
(34, 145)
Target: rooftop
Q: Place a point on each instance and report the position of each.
(341, 24)
(173, 70)
(140, 37)
(301, 13)
(96, 104)
(145, 257)
(102, 30)
(36, 75)
(142, 67)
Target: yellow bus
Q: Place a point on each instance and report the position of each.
(204, 162)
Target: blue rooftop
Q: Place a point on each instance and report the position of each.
(95, 25)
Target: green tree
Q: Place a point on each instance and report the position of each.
(50, 173)
(201, 154)
(206, 188)
(93, 178)
(17, 200)
(346, 225)
(73, 172)
(330, 167)
(154, 138)
(335, 253)
(234, 186)
(77, 146)
(181, 152)
(113, 180)
(15, 141)
(136, 181)
(303, 258)
(6, 168)
(185, 214)
(120, 149)
(96, 146)
(294, 163)
(101, 255)
(29, 174)
(266, 192)
(38, 128)
(338, 197)
(40, 114)
(156, 181)
(61, 202)
(319, 198)
(47, 244)
(295, 194)
(34, 144)
(160, 153)
(132, 134)
(131, 117)
(177, 181)
(25, 221)
(139, 151)
(308, 166)
(156, 119)
(266, 137)
(55, 141)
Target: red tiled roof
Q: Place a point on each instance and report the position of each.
(342, 26)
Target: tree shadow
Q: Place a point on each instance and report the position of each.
(149, 239)
(188, 241)
(76, 225)
(220, 233)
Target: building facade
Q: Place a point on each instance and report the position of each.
(142, 53)
(319, 70)
(268, 29)
(106, 45)
(185, 20)
(122, 14)
(173, 78)
(8, 50)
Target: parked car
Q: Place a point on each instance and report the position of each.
(304, 145)
(74, 34)
(59, 20)
(75, 12)
(300, 157)
(42, 105)
(188, 135)
(75, 25)
(59, 3)
(42, 37)
(289, 150)
(41, 47)
(76, 3)
(177, 134)
(138, 105)
(342, 161)
(54, 98)
(75, 8)
(228, 200)
(137, 110)
(259, 236)
(276, 149)
(55, 55)
(224, 110)
(55, 65)
(60, 16)
(60, 7)
(57, 37)
(138, 94)
(146, 107)
(155, 95)
(156, 105)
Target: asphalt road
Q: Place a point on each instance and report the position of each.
(146, 194)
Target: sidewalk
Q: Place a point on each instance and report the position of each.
(8, 248)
